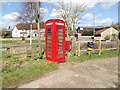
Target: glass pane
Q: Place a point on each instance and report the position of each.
(49, 55)
(60, 48)
(60, 29)
(49, 40)
(49, 52)
(49, 37)
(49, 29)
(60, 40)
(60, 55)
(60, 52)
(49, 44)
(60, 33)
(60, 37)
(60, 44)
(49, 48)
(49, 33)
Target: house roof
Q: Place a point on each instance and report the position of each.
(26, 26)
(100, 31)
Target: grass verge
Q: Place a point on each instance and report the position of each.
(36, 68)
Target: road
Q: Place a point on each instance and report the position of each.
(98, 73)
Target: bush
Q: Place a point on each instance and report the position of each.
(87, 33)
(107, 37)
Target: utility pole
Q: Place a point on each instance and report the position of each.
(38, 27)
(31, 34)
(31, 24)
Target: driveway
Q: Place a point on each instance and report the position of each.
(98, 73)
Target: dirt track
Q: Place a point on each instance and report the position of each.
(100, 73)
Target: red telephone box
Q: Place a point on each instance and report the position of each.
(55, 40)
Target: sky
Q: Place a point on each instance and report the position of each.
(106, 12)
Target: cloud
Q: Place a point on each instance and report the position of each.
(89, 16)
(107, 5)
(11, 17)
(55, 13)
(104, 21)
(2, 25)
(44, 11)
(87, 25)
(89, 3)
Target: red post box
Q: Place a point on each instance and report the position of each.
(68, 45)
(55, 32)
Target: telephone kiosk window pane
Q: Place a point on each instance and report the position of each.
(49, 44)
(49, 33)
(49, 29)
(49, 37)
(60, 29)
(60, 40)
(60, 37)
(60, 48)
(49, 55)
(60, 33)
(60, 44)
(49, 48)
(49, 40)
(60, 56)
(60, 52)
(49, 52)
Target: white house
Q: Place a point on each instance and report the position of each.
(24, 29)
(107, 33)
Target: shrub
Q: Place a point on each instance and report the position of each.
(107, 37)
(87, 33)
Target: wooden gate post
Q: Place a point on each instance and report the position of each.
(99, 47)
(78, 48)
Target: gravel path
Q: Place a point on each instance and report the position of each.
(99, 73)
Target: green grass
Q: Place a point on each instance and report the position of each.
(84, 55)
(34, 41)
(10, 41)
(32, 68)
(18, 41)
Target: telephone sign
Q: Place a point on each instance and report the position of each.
(55, 32)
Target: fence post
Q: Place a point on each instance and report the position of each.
(78, 48)
(118, 44)
(99, 47)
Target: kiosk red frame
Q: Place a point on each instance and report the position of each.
(55, 35)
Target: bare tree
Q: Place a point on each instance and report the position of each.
(28, 12)
(71, 13)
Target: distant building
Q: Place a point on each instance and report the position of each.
(81, 29)
(107, 33)
(24, 30)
